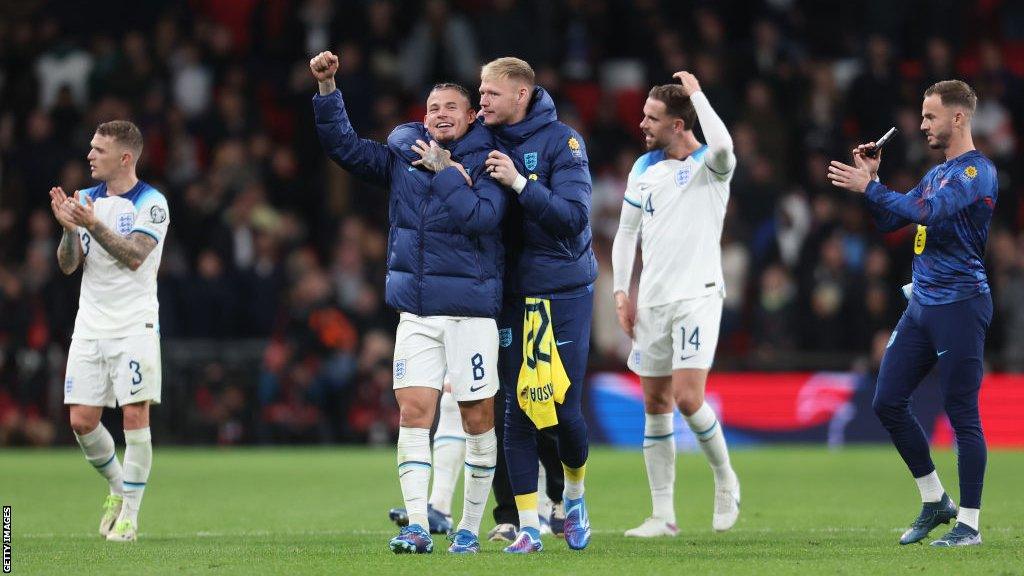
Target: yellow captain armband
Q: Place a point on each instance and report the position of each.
(920, 239)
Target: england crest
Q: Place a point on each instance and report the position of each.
(399, 369)
(682, 176)
(530, 159)
(125, 222)
(505, 337)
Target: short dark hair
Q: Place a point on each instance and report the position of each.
(124, 132)
(676, 103)
(453, 86)
(954, 93)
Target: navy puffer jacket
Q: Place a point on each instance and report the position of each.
(445, 255)
(548, 229)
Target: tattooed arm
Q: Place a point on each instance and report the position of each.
(69, 252)
(131, 251)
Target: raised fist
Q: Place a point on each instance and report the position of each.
(323, 66)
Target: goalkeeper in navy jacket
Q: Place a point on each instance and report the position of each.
(445, 268)
(950, 307)
(545, 322)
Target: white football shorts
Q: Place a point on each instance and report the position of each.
(113, 371)
(677, 335)
(466, 349)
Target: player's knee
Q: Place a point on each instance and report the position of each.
(888, 408)
(83, 423)
(412, 415)
(478, 416)
(658, 403)
(136, 415)
(689, 401)
(962, 415)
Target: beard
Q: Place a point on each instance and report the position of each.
(938, 141)
(654, 143)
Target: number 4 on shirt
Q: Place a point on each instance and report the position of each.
(648, 207)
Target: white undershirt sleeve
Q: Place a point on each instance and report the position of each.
(720, 157)
(624, 247)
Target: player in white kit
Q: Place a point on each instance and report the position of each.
(116, 232)
(675, 201)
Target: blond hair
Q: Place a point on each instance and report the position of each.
(508, 67)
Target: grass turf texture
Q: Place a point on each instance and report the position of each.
(324, 511)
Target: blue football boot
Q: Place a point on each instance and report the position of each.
(932, 514)
(960, 535)
(527, 542)
(412, 540)
(439, 522)
(464, 542)
(577, 524)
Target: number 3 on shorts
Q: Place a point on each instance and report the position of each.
(137, 376)
(478, 366)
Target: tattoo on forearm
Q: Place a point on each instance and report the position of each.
(69, 253)
(130, 251)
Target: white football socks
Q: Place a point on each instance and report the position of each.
(138, 459)
(969, 516)
(481, 456)
(449, 454)
(709, 433)
(930, 487)
(660, 458)
(544, 503)
(414, 472)
(98, 447)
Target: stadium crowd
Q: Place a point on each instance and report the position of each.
(272, 243)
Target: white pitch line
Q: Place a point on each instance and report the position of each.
(267, 533)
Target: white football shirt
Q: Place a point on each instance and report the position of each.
(115, 301)
(682, 210)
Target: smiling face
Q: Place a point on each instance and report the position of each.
(449, 115)
(108, 157)
(657, 126)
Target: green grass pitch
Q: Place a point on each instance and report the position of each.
(323, 511)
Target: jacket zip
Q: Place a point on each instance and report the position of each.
(422, 244)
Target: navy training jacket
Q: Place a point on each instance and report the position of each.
(547, 232)
(445, 254)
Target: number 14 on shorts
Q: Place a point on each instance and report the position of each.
(689, 342)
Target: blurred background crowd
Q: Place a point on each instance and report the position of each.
(271, 287)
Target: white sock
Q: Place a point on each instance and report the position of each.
(543, 502)
(930, 487)
(574, 488)
(98, 447)
(414, 472)
(660, 458)
(449, 454)
(705, 426)
(969, 516)
(481, 456)
(138, 459)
